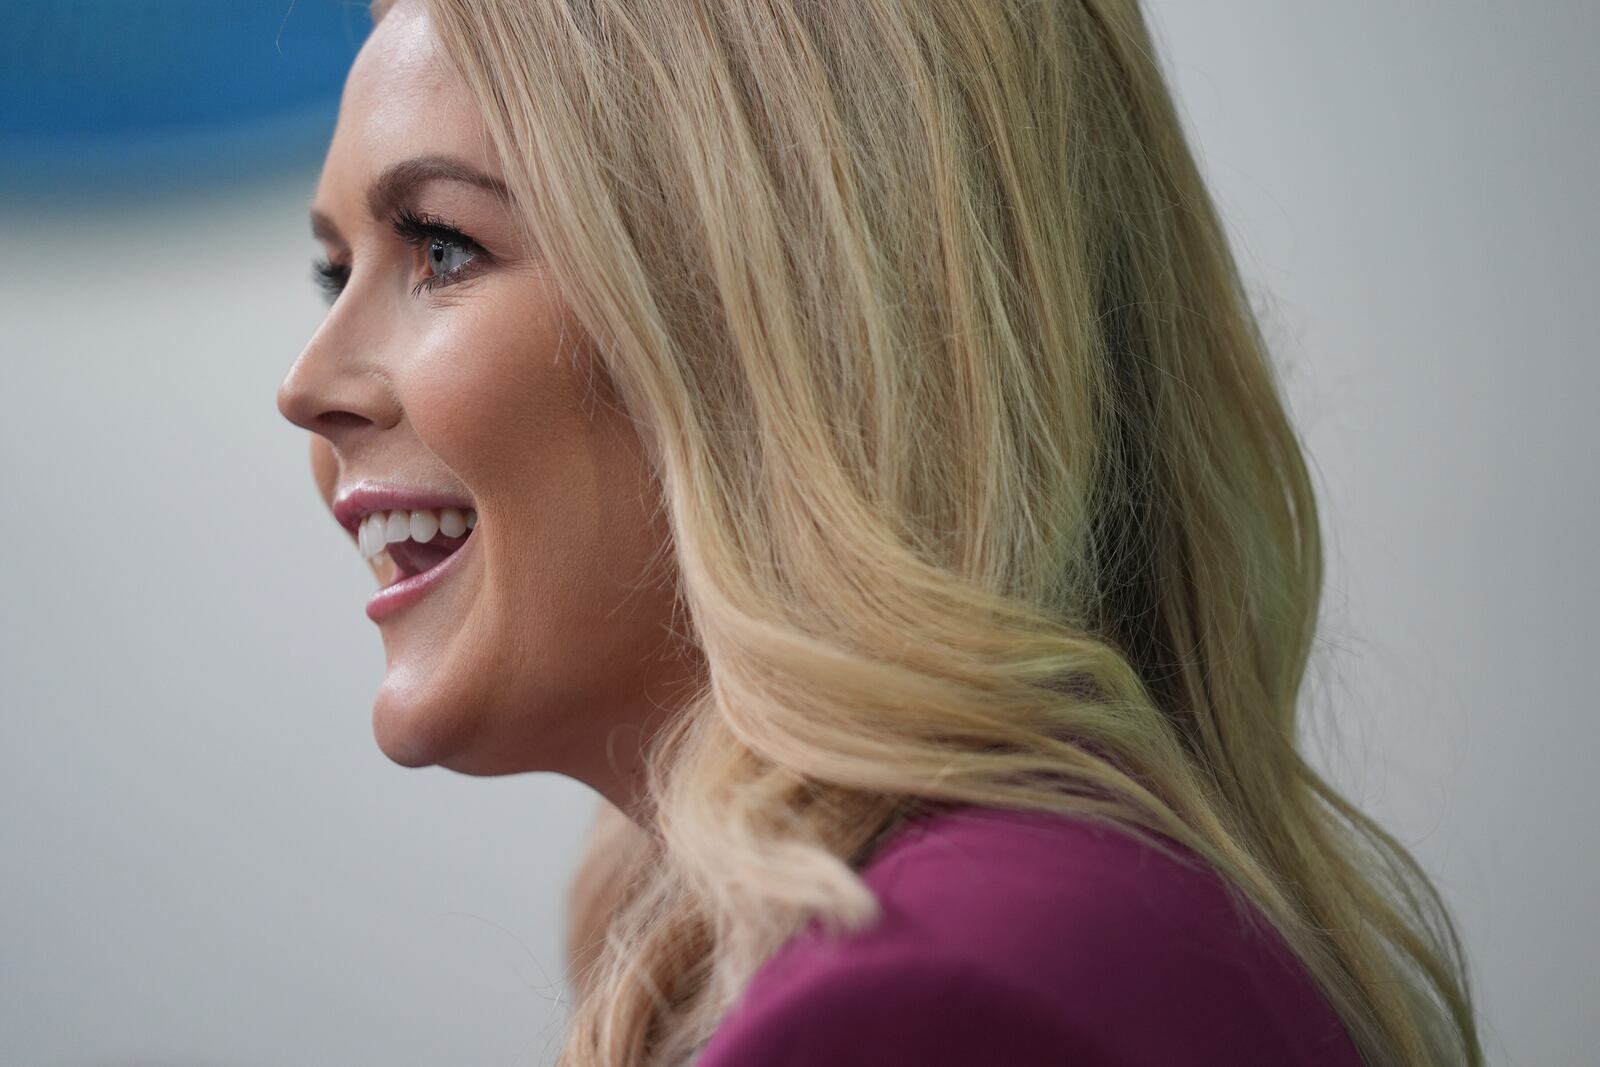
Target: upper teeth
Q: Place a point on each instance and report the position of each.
(380, 528)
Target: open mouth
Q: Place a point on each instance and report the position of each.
(412, 558)
(416, 540)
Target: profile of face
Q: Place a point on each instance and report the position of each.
(449, 384)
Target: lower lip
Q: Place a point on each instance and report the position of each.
(391, 599)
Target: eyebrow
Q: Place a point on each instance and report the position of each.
(399, 181)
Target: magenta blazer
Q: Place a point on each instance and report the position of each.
(1027, 939)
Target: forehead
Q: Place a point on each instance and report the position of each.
(401, 99)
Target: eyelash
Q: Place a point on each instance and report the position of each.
(417, 230)
(330, 277)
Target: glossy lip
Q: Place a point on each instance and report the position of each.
(355, 503)
(399, 595)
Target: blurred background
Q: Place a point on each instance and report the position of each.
(207, 861)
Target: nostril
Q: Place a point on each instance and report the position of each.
(333, 420)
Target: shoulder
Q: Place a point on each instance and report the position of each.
(1032, 938)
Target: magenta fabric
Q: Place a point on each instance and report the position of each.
(1026, 939)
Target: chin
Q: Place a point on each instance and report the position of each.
(400, 746)
(413, 735)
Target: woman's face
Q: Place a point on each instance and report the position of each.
(449, 372)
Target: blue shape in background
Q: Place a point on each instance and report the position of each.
(141, 95)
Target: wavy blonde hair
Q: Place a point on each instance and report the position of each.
(980, 482)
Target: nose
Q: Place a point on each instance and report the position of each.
(331, 392)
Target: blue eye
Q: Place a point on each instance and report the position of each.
(446, 257)
(452, 255)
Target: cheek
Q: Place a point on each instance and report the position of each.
(573, 602)
(491, 389)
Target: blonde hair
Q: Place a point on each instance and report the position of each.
(980, 482)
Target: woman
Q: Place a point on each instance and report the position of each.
(837, 433)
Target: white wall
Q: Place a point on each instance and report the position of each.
(207, 860)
